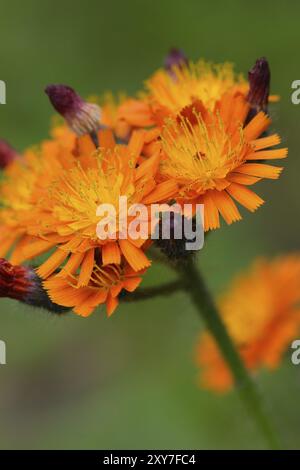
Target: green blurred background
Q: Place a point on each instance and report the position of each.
(130, 381)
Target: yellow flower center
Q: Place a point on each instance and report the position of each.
(76, 196)
(200, 156)
(106, 277)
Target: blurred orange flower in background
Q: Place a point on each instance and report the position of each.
(261, 310)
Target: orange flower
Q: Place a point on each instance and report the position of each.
(50, 199)
(64, 215)
(203, 81)
(168, 92)
(215, 155)
(262, 316)
(104, 286)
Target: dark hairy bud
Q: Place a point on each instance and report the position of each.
(22, 283)
(7, 154)
(175, 58)
(259, 85)
(174, 246)
(82, 117)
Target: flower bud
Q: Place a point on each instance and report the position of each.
(174, 247)
(82, 117)
(7, 154)
(175, 58)
(22, 283)
(259, 81)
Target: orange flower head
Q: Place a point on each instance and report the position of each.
(51, 196)
(215, 155)
(171, 89)
(262, 315)
(65, 215)
(104, 286)
(202, 80)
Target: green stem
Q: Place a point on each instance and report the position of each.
(150, 292)
(245, 386)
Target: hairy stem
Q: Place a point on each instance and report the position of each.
(157, 256)
(149, 292)
(246, 388)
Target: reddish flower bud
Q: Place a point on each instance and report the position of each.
(14, 280)
(23, 284)
(259, 81)
(175, 58)
(82, 117)
(7, 154)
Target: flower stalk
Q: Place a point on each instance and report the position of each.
(155, 291)
(246, 388)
